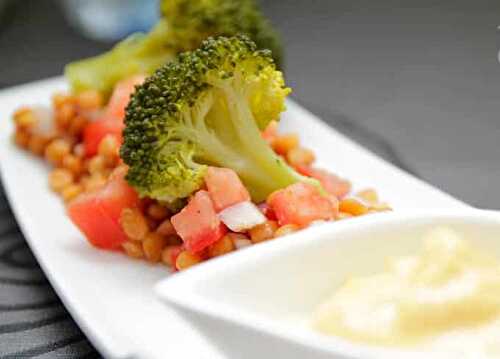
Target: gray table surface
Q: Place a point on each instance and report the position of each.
(418, 82)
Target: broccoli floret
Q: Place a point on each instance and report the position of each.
(192, 21)
(207, 108)
(184, 24)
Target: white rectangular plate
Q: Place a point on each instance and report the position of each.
(111, 296)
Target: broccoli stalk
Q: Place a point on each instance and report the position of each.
(237, 142)
(137, 54)
(208, 108)
(184, 24)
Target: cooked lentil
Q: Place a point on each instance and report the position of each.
(186, 259)
(263, 232)
(153, 245)
(134, 224)
(222, 246)
(300, 156)
(133, 249)
(284, 143)
(286, 229)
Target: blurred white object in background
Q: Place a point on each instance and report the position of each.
(110, 20)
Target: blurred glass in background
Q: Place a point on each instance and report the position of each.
(110, 20)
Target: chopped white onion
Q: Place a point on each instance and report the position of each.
(240, 243)
(45, 123)
(242, 216)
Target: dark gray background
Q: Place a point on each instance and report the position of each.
(422, 74)
(416, 81)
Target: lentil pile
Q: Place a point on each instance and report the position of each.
(55, 134)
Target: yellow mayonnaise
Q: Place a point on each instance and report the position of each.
(448, 293)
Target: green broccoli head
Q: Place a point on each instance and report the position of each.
(207, 108)
(192, 21)
(184, 25)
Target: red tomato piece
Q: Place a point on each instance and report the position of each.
(111, 121)
(267, 211)
(121, 96)
(95, 131)
(225, 187)
(301, 204)
(97, 214)
(333, 184)
(198, 224)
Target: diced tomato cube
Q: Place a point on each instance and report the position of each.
(332, 183)
(267, 211)
(95, 131)
(97, 213)
(198, 224)
(111, 121)
(121, 96)
(225, 187)
(301, 204)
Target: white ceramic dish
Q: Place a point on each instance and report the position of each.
(257, 305)
(111, 296)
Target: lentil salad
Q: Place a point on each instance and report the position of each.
(58, 136)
